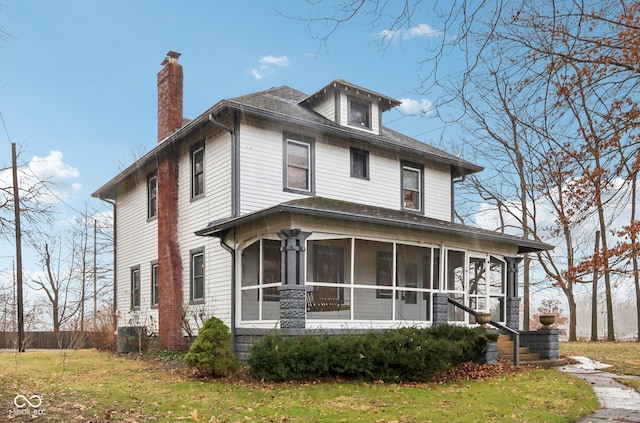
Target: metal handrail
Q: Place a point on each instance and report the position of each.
(514, 333)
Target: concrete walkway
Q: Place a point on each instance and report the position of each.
(619, 403)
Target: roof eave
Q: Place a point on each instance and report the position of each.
(524, 245)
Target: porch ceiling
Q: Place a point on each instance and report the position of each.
(342, 210)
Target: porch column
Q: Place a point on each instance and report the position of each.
(440, 308)
(293, 291)
(513, 301)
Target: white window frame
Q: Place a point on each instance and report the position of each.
(309, 144)
(413, 167)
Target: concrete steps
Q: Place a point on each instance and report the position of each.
(505, 352)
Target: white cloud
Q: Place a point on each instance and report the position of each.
(420, 30)
(416, 107)
(267, 65)
(51, 169)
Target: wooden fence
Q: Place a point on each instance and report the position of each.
(47, 340)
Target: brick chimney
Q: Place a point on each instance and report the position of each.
(170, 274)
(169, 96)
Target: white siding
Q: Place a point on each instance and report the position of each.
(196, 214)
(136, 246)
(261, 174)
(437, 191)
(327, 107)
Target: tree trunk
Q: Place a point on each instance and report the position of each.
(594, 292)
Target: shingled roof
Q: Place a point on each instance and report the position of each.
(342, 210)
(285, 104)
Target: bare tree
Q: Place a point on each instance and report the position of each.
(57, 283)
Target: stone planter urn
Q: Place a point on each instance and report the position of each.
(482, 319)
(546, 320)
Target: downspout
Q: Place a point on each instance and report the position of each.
(231, 251)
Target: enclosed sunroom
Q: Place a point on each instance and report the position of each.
(324, 264)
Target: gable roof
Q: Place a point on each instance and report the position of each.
(336, 209)
(285, 104)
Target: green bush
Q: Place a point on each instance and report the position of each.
(408, 354)
(211, 352)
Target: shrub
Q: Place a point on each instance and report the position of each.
(408, 354)
(211, 352)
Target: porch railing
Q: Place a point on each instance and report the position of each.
(515, 335)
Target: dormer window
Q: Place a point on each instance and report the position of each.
(359, 113)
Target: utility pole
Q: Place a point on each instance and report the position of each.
(95, 274)
(16, 208)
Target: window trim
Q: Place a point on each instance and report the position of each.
(135, 292)
(155, 298)
(420, 169)
(353, 152)
(310, 143)
(367, 105)
(192, 255)
(195, 149)
(152, 177)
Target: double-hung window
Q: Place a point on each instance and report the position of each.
(359, 163)
(197, 275)
(152, 196)
(197, 170)
(135, 287)
(412, 187)
(154, 284)
(298, 159)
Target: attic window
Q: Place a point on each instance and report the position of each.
(359, 113)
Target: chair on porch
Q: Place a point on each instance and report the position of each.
(325, 298)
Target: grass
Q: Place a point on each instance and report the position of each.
(623, 356)
(87, 385)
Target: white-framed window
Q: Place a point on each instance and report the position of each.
(197, 170)
(412, 187)
(196, 290)
(135, 287)
(154, 284)
(152, 196)
(298, 159)
(359, 113)
(359, 163)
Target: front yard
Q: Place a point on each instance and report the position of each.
(87, 385)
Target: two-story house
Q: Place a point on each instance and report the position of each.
(288, 211)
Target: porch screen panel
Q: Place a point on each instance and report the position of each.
(328, 271)
(250, 304)
(497, 288)
(478, 284)
(455, 283)
(414, 272)
(271, 278)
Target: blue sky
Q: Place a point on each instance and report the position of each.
(78, 77)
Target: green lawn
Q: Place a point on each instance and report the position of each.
(85, 384)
